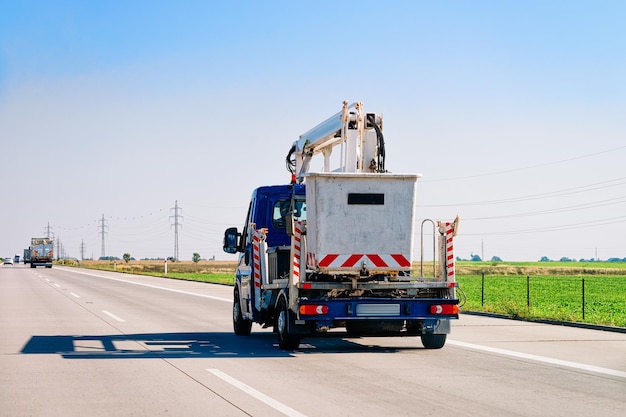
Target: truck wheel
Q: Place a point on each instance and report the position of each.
(241, 326)
(286, 341)
(433, 341)
(33, 266)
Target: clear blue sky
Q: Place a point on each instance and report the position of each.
(512, 111)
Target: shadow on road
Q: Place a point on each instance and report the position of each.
(185, 345)
(154, 345)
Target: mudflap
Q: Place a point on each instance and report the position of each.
(300, 327)
(440, 326)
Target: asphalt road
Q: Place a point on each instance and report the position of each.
(76, 342)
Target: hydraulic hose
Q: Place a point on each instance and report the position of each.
(380, 141)
(290, 160)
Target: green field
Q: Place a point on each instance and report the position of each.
(548, 297)
(530, 290)
(218, 272)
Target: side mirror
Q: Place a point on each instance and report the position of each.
(231, 240)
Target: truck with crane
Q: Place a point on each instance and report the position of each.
(331, 252)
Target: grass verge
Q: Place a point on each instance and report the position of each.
(586, 299)
(529, 290)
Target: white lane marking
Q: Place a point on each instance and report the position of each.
(538, 358)
(288, 411)
(47, 280)
(57, 285)
(113, 316)
(74, 295)
(212, 297)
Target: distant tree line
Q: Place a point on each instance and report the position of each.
(566, 259)
(476, 258)
(127, 257)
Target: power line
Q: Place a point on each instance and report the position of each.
(550, 194)
(488, 174)
(584, 206)
(571, 226)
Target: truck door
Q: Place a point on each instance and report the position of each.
(243, 274)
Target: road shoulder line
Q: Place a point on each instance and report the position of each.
(537, 358)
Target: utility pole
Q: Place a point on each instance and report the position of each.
(176, 225)
(82, 250)
(103, 232)
(482, 250)
(48, 230)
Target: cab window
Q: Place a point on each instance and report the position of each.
(281, 210)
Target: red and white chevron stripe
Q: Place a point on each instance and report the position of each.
(256, 257)
(336, 260)
(449, 233)
(296, 243)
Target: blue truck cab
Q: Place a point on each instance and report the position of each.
(272, 208)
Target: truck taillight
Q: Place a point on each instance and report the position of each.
(444, 309)
(313, 309)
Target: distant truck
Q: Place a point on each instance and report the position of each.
(16, 259)
(26, 256)
(41, 252)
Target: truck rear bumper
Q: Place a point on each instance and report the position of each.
(381, 308)
(47, 264)
(378, 317)
(372, 328)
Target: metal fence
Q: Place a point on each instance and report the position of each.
(591, 299)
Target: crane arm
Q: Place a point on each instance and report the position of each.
(353, 131)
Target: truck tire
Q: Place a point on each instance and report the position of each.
(433, 341)
(286, 341)
(241, 326)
